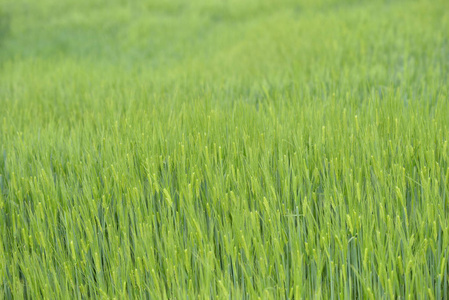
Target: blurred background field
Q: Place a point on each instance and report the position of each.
(230, 149)
(307, 42)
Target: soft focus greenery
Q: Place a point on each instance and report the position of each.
(224, 149)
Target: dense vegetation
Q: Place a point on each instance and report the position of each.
(230, 149)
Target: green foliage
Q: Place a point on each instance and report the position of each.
(4, 26)
(224, 149)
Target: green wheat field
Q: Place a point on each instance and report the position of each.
(224, 149)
